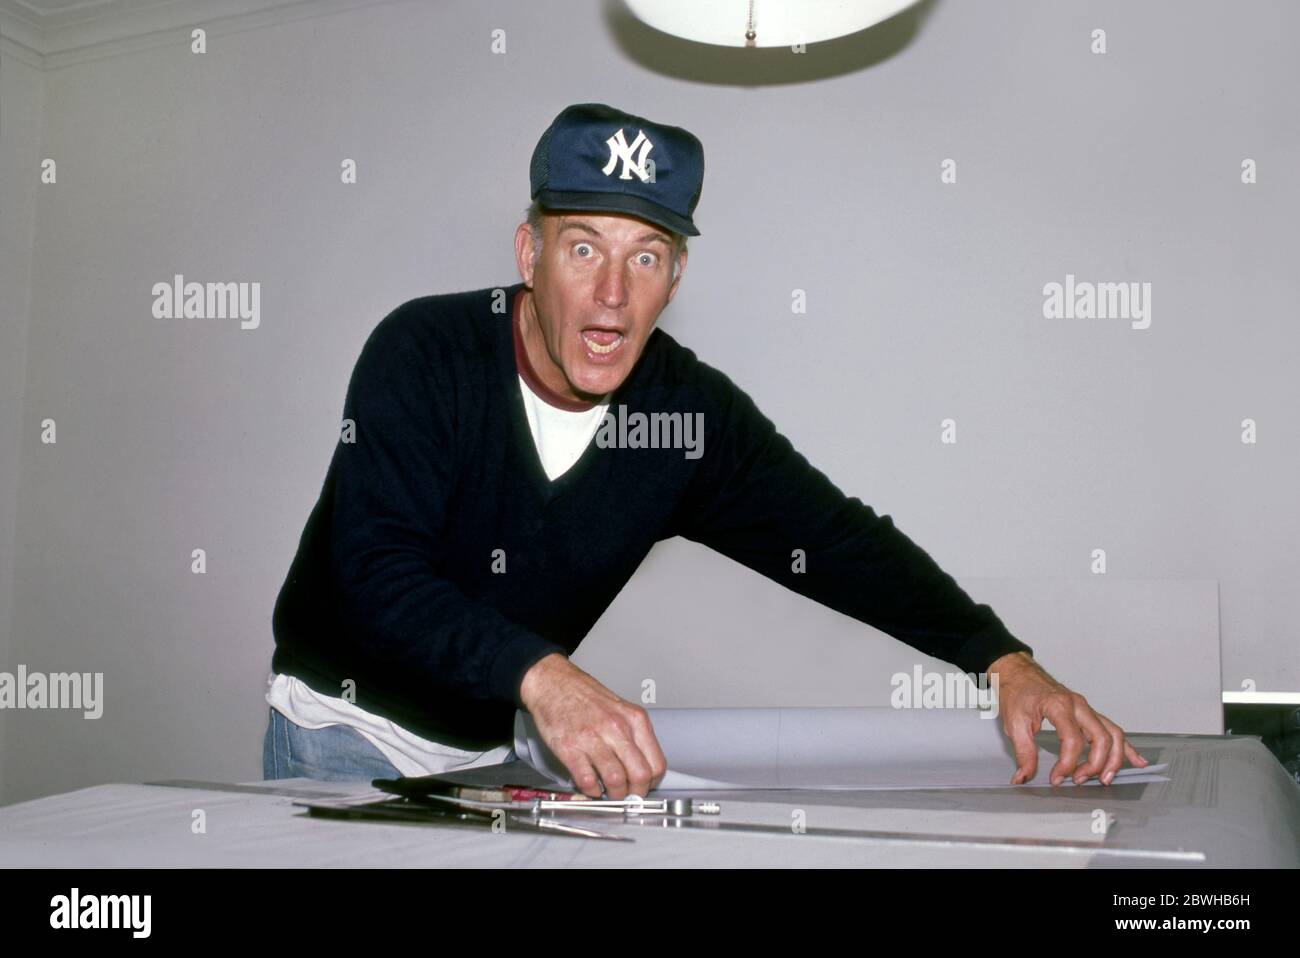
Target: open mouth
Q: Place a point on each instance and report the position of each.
(601, 342)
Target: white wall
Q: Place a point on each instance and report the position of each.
(924, 303)
(20, 134)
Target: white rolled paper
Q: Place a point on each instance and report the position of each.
(824, 748)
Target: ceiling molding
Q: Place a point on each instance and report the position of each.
(56, 33)
(19, 37)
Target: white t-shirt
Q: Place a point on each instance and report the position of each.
(560, 437)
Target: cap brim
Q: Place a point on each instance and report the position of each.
(618, 203)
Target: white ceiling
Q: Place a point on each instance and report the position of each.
(54, 6)
(52, 33)
(51, 6)
(39, 31)
(50, 13)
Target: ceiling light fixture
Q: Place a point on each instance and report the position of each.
(763, 23)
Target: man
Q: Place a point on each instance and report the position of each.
(471, 530)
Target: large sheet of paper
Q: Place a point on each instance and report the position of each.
(825, 748)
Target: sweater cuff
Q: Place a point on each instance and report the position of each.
(514, 661)
(987, 646)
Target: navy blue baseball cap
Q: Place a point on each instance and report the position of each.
(594, 157)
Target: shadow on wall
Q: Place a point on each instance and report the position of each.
(764, 66)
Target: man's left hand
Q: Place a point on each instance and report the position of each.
(1027, 695)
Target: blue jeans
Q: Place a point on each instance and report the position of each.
(335, 753)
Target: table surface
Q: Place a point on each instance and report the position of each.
(1228, 803)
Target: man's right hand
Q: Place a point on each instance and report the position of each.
(603, 740)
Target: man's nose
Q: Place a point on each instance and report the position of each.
(611, 287)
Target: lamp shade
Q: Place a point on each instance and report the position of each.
(763, 23)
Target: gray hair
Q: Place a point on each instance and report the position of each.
(534, 215)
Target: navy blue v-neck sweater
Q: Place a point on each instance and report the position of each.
(393, 585)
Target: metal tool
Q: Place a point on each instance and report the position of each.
(635, 805)
(454, 813)
(632, 806)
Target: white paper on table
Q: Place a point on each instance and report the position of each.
(1081, 825)
(826, 748)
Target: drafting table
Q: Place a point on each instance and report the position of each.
(1228, 803)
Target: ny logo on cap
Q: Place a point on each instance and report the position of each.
(619, 150)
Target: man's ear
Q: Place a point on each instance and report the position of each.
(524, 253)
(672, 290)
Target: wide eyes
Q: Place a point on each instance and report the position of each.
(644, 258)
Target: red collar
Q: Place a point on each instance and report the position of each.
(525, 368)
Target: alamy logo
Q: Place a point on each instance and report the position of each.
(181, 300)
(102, 911)
(57, 690)
(620, 150)
(658, 430)
(1086, 300)
(945, 690)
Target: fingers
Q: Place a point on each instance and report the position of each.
(1121, 749)
(617, 755)
(1021, 727)
(605, 742)
(1028, 697)
(643, 734)
(1100, 742)
(583, 773)
(1022, 740)
(1070, 735)
(600, 766)
(610, 768)
(1107, 747)
(1135, 758)
(633, 762)
(1116, 757)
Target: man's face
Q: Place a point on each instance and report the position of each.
(598, 287)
